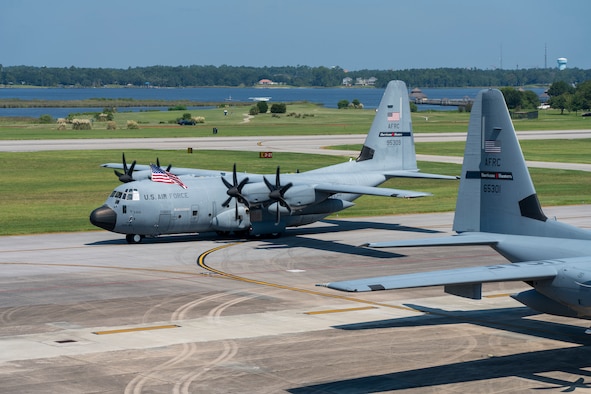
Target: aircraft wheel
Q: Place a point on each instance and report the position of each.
(242, 233)
(133, 238)
(275, 235)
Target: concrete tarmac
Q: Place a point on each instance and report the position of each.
(88, 313)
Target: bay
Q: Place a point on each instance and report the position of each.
(328, 97)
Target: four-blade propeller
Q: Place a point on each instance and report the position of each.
(127, 175)
(277, 193)
(235, 191)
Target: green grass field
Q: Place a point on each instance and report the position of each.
(56, 191)
(306, 119)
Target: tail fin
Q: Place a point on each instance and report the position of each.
(496, 193)
(390, 143)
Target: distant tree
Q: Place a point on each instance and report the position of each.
(584, 92)
(46, 119)
(343, 104)
(263, 107)
(518, 99)
(529, 99)
(512, 97)
(559, 102)
(254, 110)
(558, 88)
(278, 108)
(576, 103)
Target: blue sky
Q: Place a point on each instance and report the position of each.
(355, 35)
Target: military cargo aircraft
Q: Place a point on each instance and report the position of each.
(498, 206)
(153, 201)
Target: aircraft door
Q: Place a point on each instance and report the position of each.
(163, 222)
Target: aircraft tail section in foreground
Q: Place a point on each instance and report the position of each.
(498, 206)
(496, 193)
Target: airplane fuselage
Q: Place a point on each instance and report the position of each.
(147, 208)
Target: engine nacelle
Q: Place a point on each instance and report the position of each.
(567, 294)
(327, 206)
(543, 304)
(300, 196)
(226, 220)
(141, 175)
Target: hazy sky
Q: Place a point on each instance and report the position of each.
(352, 34)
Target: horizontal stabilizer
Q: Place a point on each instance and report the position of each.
(535, 270)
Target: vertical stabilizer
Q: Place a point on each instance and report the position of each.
(496, 192)
(390, 142)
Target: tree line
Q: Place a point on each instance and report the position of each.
(298, 76)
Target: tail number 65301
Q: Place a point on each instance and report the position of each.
(489, 188)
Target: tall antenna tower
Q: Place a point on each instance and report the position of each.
(545, 55)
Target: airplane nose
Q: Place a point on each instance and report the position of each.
(104, 217)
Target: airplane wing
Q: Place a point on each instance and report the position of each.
(173, 170)
(373, 191)
(526, 271)
(417, 174)
(453, 240)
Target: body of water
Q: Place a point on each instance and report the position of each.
(329, 97)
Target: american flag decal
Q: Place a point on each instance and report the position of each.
(159, 175)
(492, 146)
(393, 116)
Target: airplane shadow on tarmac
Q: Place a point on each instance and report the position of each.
(529, 365)
(294, 237)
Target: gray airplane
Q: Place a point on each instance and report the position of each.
(498, 206)
(155, 201)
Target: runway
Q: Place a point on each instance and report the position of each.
(87, 312)
(315, 144)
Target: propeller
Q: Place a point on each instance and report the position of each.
(235, 191)
(158, 164)
(277, 193)
(127, 174)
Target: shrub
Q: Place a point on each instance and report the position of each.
(132, 125)
(45, 119)
(263, 107)
(198, 119)
(278, 108)
(178, 108)
(111, 125)
(254, 110)
(343, 104)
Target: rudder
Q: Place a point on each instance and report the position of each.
(496, 193)
(390, 142)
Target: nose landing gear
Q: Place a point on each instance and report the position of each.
(134, 238)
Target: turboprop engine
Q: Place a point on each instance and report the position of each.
(567, 294)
